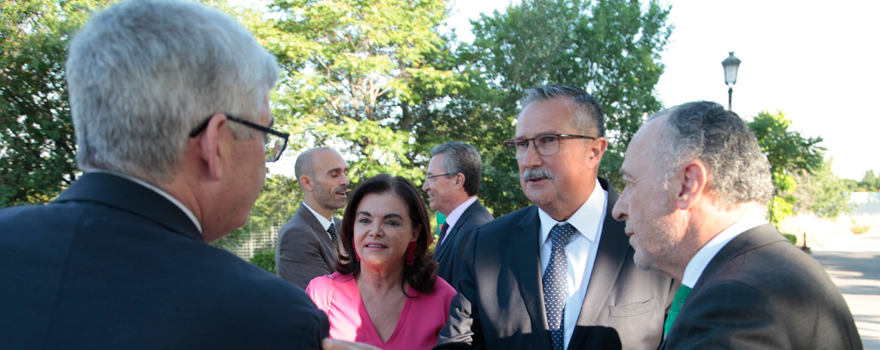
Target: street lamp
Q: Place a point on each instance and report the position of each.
(731, 67)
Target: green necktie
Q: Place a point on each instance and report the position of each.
(680, 296)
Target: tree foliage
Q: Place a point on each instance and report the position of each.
(355, 69)
(37, 147)
(373, 78)
(788, 153)
(822, 192)
(870, 183)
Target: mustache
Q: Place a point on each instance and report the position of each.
(536, 174)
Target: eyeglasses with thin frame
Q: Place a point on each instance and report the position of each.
(545, 145)
(274, 142)
(432, 177)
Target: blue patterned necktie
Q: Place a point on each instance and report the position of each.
(554, 283)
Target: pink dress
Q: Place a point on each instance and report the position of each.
(418, 325)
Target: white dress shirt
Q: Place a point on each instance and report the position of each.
(160, 192)
(580, 252)
(699, 262)
(456, 214)
(324, 222)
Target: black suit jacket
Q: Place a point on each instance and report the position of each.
(114, 265)
(305, 250)
(761, 292)
(500, 304)
(450, 252)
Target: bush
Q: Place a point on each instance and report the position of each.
(860, 229)
(791, 238)
(265, 259)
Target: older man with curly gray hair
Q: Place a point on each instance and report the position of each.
(697, 186)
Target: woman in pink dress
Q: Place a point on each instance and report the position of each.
(385, 292)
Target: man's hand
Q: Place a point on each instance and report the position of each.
(333, 344)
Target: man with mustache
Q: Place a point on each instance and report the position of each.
(558, 274)
(695, 206)
(307, 243)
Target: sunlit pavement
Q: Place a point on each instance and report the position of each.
(854, 265)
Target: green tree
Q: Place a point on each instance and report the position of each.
(851, 185)
(611, 48)
(870, 182)
(472, 115)
(37, 146)
(356, 72)
(788, 152)
(822, 192)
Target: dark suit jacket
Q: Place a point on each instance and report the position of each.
(500, 304)
(451, 251)
(114, 265)
(761, 292)
(304, 250)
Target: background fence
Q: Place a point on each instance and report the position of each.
(258, 239)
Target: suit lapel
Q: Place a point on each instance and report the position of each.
(444, 246)
(748, 240)
(318, 229)
(527, 268)
(610, 257)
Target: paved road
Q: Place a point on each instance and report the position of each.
(854, 265)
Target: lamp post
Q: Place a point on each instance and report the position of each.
(731, 67)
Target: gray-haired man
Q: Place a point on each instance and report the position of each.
(452, 184)
(694, 206)
(170, 104)
(558, 274)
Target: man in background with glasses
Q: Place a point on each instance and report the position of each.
(170, 105)
(452, 185)
(559, 274)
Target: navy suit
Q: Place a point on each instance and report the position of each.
(761, 292)
(450, 252)
(500, 301)
(111, 264)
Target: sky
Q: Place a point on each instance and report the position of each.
(815, 61)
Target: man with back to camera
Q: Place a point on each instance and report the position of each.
(694, 206)
(452, 184)
(558, 274)
(170, 105)
(307, 245)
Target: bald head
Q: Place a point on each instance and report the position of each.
(305, 162)
(321, 173)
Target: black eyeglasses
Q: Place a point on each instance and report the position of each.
(274, 142)
(432, 177)
(545, 145)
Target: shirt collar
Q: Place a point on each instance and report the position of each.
(700, 260)
(586, 219)
(324, 222)
(456, 213)
(159, 191)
